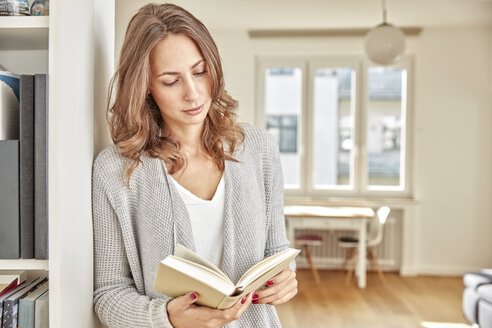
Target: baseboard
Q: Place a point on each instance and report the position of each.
(407, 271)
(443, 270)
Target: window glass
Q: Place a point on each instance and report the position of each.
(333, 128)
(385, 126)
(283, 103)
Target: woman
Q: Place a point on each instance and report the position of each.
(182, 171)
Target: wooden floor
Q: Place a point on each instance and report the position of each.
(424, 301)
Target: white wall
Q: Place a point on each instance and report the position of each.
(454, 153)
(452, 135)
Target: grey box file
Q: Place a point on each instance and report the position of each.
(26, 170)
(9, 199)
(41, 166)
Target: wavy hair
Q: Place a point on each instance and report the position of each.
(134, 118)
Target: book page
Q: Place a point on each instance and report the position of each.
(266, 265)
(175, 278)
(255, 284)
(201, 273)
(188, 254)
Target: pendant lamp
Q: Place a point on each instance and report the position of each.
(384, 43)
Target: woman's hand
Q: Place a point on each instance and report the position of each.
(183, 313)
(280, 289)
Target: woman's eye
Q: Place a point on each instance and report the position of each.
(201, 72)
(170, 84)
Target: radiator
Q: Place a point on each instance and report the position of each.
(330, 256)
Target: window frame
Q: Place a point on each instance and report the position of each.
(359, 106)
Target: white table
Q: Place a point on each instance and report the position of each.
(332, 218)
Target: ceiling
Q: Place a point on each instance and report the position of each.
(296, 14)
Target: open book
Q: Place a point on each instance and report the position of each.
(186, 271)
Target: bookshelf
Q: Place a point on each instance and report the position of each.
(24, 32)
(75, 46)
(24, 38)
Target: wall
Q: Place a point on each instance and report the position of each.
(452, 138)
(454, 153)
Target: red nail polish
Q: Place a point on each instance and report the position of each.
(270, 283)
(243, 300)
(255, 301)
(255, 295)
(193, 296)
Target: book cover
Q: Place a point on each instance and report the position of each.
(11, 304)
(9, 199)
(9, 106)
(7, 295)
(41, 311)
(27, 306)
(186, 271)
(11, 279)
(5, 288)
(26, 161)
(41, 166)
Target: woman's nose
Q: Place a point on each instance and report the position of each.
(191, 90)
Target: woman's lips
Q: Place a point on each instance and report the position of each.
(194, 111)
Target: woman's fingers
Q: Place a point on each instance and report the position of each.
(183, 302)
(183, 313)
(235, 311)
(284, 287)
(282, 296)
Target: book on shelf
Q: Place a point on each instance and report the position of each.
(186, 271)
(10, 280)
(26, 166)
(11, 302)
(41, 166)
(7, 295)
(5, 288)
(23, 169)
(27, 306)
(9, 165)
(9, 199)
(41, 311)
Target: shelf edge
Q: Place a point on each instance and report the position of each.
(24, 264)
(24, 22)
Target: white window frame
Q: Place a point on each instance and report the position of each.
(308, 65)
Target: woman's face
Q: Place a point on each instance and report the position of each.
(180, 81)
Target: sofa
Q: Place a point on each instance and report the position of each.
(477, 298)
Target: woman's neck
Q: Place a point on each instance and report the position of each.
(189, 138)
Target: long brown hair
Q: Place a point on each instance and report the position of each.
(134, 118)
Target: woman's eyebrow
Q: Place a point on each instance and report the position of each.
(177, 73)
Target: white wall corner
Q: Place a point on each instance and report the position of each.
(104, 64)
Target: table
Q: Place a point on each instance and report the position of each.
(333, 218)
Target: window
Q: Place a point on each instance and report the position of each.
(342, 124)
(284, 128)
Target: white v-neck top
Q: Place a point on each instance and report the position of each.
(207, 221)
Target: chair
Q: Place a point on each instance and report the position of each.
(310, 240)
(477, 298)
(374, 237)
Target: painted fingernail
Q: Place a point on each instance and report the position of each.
(255, 301)
(270, 283)
(255, 295)
(193, 296)
(243, 300)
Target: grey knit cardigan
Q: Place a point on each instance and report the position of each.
(136, 228)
